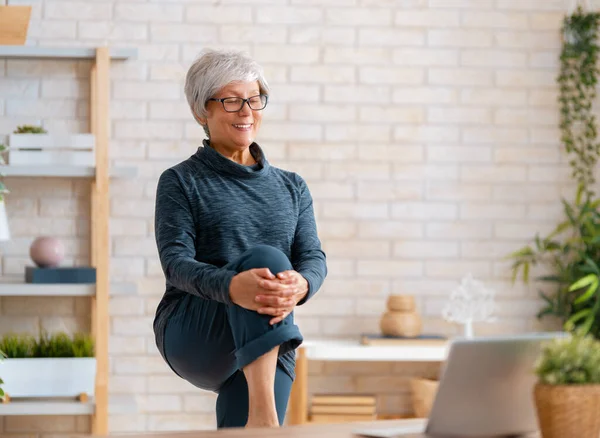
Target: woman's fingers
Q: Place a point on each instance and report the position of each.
(273, 311)
(274, 301)
(277, 286)
(264, 273)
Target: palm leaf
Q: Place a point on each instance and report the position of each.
(588, 294)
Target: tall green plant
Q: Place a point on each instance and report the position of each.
(572, 250)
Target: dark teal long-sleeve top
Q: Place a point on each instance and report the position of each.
(210, 209)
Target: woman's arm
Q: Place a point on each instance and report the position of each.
(175, 233)
(308, 259)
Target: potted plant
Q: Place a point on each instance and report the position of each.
(56, 365)
(34, 145)
(567, 394)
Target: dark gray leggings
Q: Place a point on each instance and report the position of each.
(208, 343)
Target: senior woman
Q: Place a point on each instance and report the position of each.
(239, 248)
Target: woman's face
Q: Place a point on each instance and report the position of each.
(235, 130)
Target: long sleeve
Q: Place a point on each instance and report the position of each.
(175, 233)
(308, 258)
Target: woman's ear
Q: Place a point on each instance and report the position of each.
(201, 120)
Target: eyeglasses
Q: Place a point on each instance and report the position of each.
(235, 104)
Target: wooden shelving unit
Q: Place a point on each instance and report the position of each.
(99, 192)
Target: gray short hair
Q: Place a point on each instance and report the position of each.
(213, 70)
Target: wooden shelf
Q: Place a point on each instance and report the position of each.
(42, 407)
(12, 286)
(352, 350)
(65, 171)
(29, 52)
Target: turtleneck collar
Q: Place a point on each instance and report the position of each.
(221, 164)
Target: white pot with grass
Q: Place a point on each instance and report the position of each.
(49, 377)
(37, 367)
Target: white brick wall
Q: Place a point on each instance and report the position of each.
(426, 129)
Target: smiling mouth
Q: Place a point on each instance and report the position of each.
(243, 127)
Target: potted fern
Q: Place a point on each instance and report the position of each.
(56, 365)
(567, 394)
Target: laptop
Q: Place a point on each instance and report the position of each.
(486, 389)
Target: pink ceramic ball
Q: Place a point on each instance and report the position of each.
(47, 252)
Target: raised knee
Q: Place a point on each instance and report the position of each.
(266, 256)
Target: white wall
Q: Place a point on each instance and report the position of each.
(426, 129)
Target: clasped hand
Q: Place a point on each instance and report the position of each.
(267, 294)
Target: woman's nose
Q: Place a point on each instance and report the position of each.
(245, 109)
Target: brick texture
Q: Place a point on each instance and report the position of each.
(426, 129)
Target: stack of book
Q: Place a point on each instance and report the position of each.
(341, 408)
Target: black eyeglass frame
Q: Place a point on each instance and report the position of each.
(244, 101)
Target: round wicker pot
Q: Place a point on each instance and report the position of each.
(568, 410)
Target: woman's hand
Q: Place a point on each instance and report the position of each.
(272, 305)
(246, 286)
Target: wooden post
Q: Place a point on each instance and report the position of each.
(298, 411)
(100, 211)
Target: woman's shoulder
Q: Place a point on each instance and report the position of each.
(184, 171)
(293, 178)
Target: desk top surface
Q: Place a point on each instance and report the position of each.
(406, 429)
(343, 430)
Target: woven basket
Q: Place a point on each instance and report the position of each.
(423, 393)
(566, 411)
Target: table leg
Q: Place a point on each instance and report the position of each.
(298, 409)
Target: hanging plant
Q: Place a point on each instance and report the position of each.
(572, 250)
(577, 82)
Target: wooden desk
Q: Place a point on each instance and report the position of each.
(306, 431)
(350, 350)
(345, 430)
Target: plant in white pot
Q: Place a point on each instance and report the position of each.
(55, 365)
(567, 394)
(33, 145)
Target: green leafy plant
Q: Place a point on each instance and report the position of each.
(17, 345)
(29, 129)
(573, 360)
(46, 345)
(2, 356)
(56, 345)
(571, 251)
(577, 82)
(83, 345)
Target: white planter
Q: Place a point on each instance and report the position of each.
(48, 377)
(51, 141)
(51, 149)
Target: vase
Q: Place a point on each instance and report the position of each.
(14, 24)
(401, 318)
(568, 410)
